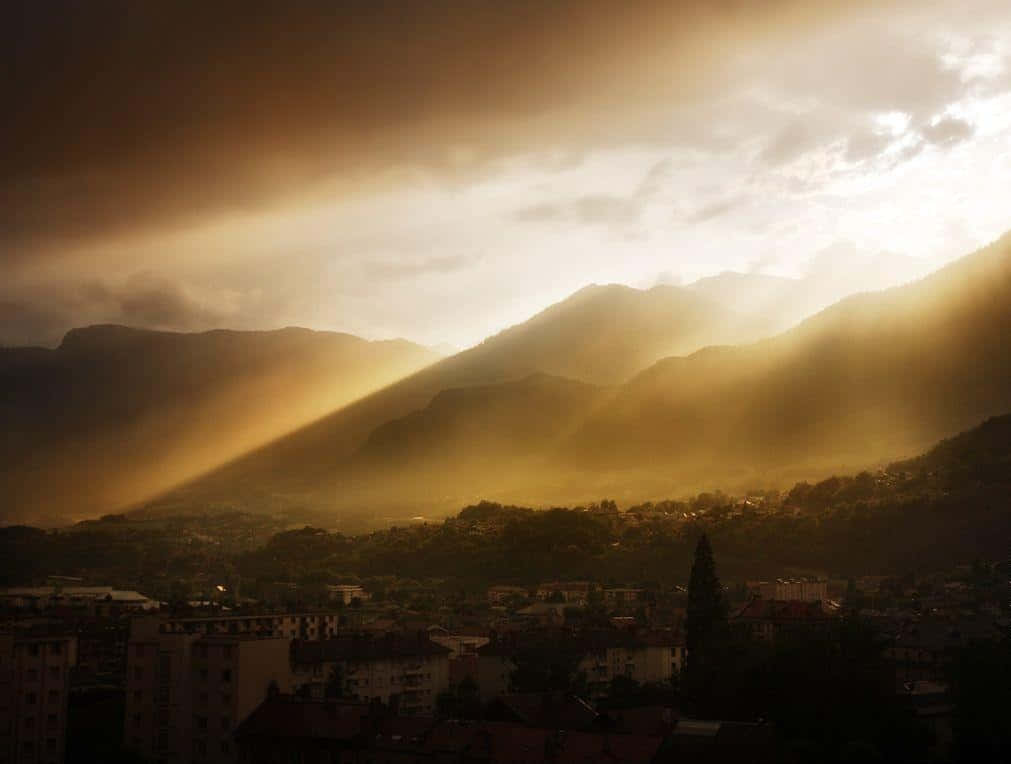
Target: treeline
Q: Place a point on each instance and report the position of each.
(945, 508)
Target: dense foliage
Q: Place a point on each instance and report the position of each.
(885, 523)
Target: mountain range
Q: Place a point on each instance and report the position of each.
(114, 415)
(636, 393)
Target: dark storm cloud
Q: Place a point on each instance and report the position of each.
(42, 314)
(120, 114)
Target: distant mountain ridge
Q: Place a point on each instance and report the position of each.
(600, 335)
(116, 414)
(869, 379)
(614, 391)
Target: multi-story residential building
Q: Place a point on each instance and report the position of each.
(459, 645)
(498, 595)
(186, 692)
(406, 672)
(765, 619)
(34, 690)
(648, 658)
(621, 595)
(288, 625)
(572, 592)
(346, 593)
(797, 590)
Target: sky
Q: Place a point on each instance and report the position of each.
(441, 170)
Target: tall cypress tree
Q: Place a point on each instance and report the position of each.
(706, 620)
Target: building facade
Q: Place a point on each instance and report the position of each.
(186, 692)
(405, 672)
(34, 692)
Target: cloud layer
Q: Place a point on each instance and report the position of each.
(440, 169)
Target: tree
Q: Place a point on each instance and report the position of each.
(706, 621)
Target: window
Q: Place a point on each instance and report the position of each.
(31, 698)
(33, 650)
(224, 747)
(138, 673)
(55, 648)
(51, 744)
(54, 672)
(138, 650)
(226, 652)
(226, 675)
(226, 699)
(203, 698)
(54, 696)
(203, 675)
(51, 721)
(226, 723)
(200, 722)
(32, 675)
(137, 696)
(30, 723)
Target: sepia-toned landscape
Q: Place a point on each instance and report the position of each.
(472, 382)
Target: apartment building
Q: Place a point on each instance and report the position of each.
(797, 590)
(346, 593)
(186, 692)
(572, 592)
(34, 690)
(647, 658)
(406, 672)
(102, 601)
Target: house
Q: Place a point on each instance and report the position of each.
(290, 728)
(571, 592)
(547, 710)
(500, 595)
(542, 614)
(293, 729)
(766, 619)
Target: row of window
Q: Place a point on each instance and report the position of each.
(55, 648)
(32, 674)
(200, 722)
(200, 747)
(51, 722)
(31, 698)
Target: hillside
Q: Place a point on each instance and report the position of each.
(779, 303)
(872, 378)
(115, 415)
(875, 376)
(600, 335)
(887, 522)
